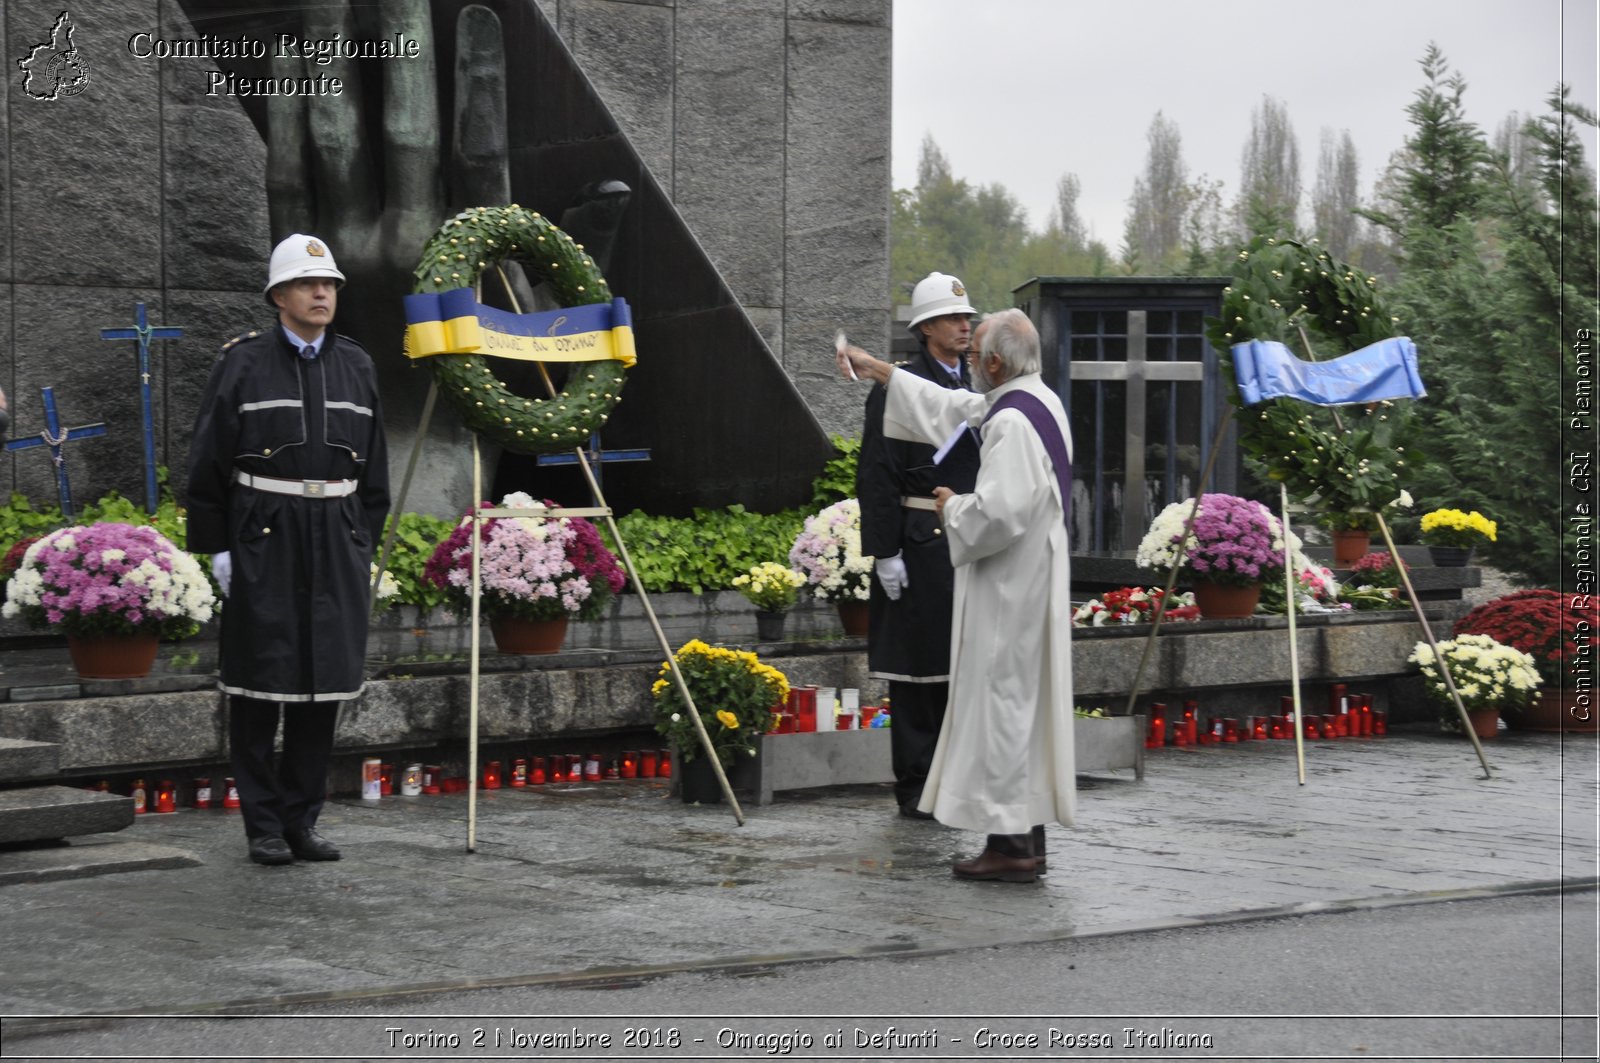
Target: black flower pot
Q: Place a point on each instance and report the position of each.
(697, 780)
(1450, 556)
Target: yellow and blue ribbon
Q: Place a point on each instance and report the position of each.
(453, 322)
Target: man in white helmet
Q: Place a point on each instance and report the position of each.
(288, 491)
(912, 586)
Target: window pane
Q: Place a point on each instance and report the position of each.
(1085, 321)
(1158, 321)
(1191, 322)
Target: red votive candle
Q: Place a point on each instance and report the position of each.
(1380, 722)
(1230, 729)
(591, 768)
(491, 775)
(166, 796)
(647, 764)
(630, 764)
(432, 779)
(1337, 702)
(1158, 727)
(202, 792)
(537, 774)
(1365, 702)
(1341, 725)
(1330, 727)
(1311, 726)
(664, 762)
(1258, 727)
(804, 700)
(519, 773)
(1180, 733)
(230, 794)
(613, 770)
(386, 780)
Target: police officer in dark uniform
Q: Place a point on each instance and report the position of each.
(288, 490)
(913, 583)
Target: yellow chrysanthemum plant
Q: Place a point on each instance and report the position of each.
(770, 587)
(736, 696)
(1451, 527)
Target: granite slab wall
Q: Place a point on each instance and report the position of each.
(765, 122)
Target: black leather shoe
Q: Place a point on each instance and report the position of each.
(911, 811)
(307, 844)
(271, 849)
(997, 867)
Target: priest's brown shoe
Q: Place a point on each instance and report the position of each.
(997, 867)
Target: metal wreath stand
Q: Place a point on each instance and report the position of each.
(478, 517)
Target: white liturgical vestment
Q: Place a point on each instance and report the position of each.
(1004, 762)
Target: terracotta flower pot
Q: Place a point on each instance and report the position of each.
(113, 656)
(1485, 722)
(1555, 711)
(515, 635)
(1224, 601)
(853, 615)
(1350, 546)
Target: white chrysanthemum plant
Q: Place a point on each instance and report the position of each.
(1487, 674)
(828, 554)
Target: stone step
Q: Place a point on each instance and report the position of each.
(52, 861)
(21, 759)
(38, 813)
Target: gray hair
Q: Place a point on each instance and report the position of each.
(1012, 336)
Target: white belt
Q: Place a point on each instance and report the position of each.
(303, 488)
(917, 502)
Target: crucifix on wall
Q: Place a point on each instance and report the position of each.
(143, 332)
(53, 438)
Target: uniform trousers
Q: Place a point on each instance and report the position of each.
(286, 793)
(916, 713)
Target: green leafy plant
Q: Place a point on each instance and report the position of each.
(706, 550)
(415, 536)
(837, 480)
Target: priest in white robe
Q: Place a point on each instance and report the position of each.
(1004, 762)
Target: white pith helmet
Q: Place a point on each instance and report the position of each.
(935, 295)
(299, 256)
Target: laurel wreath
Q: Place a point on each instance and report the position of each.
(456, 256)
(1279, 288)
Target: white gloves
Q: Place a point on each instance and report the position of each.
(892, 574)
(222, 569)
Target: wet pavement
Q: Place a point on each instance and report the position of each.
(588, 882)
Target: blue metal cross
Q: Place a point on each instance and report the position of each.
(53, 437)
(598, 458)
(144, 332)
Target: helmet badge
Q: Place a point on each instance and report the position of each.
(956, 289)
(316, 250)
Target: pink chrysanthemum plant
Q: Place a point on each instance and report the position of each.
(1235, 541)
(110, 579)
(533, 568)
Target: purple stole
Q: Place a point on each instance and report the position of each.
(1044, 423)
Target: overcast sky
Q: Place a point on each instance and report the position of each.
(1019, 92)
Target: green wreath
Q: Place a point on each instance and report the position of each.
(1280, 287)
(455, 257)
